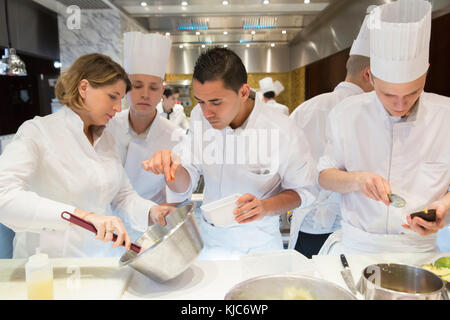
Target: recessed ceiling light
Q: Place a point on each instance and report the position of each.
(225, 3)
(283, 31)
(143, 3)
(225, 32)
(248, 45)
(167, 33)
(180, 46)
(253, 31)
(272, 45)
(266, 1)
(184, 3)
(197, 33)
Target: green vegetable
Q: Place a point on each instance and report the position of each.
(443, 262)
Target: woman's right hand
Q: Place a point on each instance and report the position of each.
(106, 226)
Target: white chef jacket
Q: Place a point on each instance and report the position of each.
(177, 116)
(134, 148)
(295, 171)
(51, 167)
(412, 153)
(278, 106)
(323, 216)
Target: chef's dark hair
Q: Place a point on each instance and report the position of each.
(269, 94)
(169, 90)
(221, 64)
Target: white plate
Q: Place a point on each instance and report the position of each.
(220, 212)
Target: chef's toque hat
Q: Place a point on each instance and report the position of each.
(399, 40)
(278, 86)
(146, 53)
(266, 85)
(361, 45)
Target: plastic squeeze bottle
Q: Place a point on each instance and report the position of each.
(39, 277)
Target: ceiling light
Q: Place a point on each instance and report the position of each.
(225, 32)
(283, 31)
(225, 3)
(143, 4)
(167, 33)
(272, 45)
(184, 3)
(266, 1)
(253, 31)
(307, 1)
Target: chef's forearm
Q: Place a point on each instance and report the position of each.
(339, 181)
(446, 200)
(181, 181)
(281, 203)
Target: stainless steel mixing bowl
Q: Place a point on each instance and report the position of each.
(279, 287)
(399, 281)
(167, 250)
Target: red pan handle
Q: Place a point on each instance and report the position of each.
(89, 226)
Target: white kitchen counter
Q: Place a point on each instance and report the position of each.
(101, 278)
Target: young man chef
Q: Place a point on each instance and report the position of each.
(273, 174)
(394, 139)
(269, 90)
(311, 226)
(138, 131)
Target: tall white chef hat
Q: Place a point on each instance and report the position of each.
(266, 85)
(361, 45)
(278, 86)
(399, 40)
(146, 53)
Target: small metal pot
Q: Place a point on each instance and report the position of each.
(279, 287)
(167, 251)
(400, 282)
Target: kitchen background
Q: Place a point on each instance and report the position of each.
(304, 44)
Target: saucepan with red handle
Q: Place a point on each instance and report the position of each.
(161, 252)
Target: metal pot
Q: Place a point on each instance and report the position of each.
(167, 251)
(400, 282)
(279, 287)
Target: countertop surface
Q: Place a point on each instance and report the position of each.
(102, 278)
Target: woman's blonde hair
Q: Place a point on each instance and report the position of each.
(99, 69)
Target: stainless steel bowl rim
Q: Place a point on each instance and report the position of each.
(295, 276)
(401, 292)
(173, 230)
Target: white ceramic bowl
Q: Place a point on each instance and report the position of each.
(220, 212)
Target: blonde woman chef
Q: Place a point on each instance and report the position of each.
(66, 162)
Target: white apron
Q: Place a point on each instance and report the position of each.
(351, 240)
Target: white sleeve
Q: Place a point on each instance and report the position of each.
(185, 150)
(333, 156)
(22, 210)
(299, 173)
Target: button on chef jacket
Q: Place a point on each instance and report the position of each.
(177, 115)
(323, 216)
(295, 171)
(51, 167)
(278, 107)
(412, 153)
